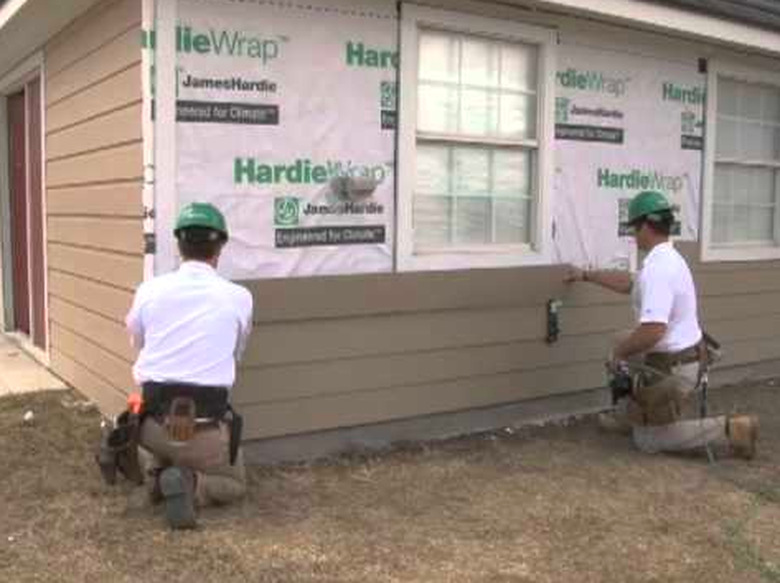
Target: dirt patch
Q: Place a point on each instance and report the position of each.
(557, 503)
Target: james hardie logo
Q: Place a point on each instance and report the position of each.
(594, 81)
(221, 43)
(636, 179)
(359, 55)
(287, 210)
(682, 94)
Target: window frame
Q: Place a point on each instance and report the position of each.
(731, 251)
(539, 252)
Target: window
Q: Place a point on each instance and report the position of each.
(475, 141)
(742, 166)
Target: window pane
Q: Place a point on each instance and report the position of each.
(727, 135)
(749, 104)
(438, 57)
(518, 116)
(762, 223)
(472, 195)
(758, 141)
(478, 112)
(744, 205)
(432, 220)
(728, 92)
(432, 171)
(479, 63)
(511, 173)
(721, 232)
(437, 108)
(472, 220)
(471, 171)
(770, 106)
(476, 86)
(722, 184)
(512, 220)
(518, 67)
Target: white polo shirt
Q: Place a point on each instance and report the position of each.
(664, 293)
(191, 326)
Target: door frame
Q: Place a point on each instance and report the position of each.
(12, 82)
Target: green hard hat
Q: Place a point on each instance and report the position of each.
(648, 204)
(201, 214)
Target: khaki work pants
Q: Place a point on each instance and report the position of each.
(207, 453)
(664, 417)
(676, 427)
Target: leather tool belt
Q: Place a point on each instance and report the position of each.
(184, 408)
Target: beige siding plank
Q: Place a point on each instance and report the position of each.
(121, 163)
(120, 53)
(90, 32)
(104, 332)
(715, 308)
(280, 383)
(113, 93)
(109, 398)
(727, 331)
(108, 200)
(749, 351)
(118, 270)
(363, 295)
(281, 418)
(744, 282)
(328, 339)
(122, 235)
(117, 127)
(93, 357)
(109, 301)
(311, 379)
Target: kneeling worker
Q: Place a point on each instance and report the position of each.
(191, 326)
(666, 343)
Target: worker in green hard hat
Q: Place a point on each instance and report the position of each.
(658, 367)
(190, 327)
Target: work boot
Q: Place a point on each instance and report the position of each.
(178, 489)
(742, 432)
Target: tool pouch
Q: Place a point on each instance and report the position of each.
(180, 420)
(118, 449)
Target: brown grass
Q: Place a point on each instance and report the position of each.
(557, 503)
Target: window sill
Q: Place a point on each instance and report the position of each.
(471, 259)
(737, 252)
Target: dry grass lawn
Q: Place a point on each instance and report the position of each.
(556, 503)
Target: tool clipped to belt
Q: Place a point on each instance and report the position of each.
(118, 449)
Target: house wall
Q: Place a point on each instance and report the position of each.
(94, 174)
(343, 351)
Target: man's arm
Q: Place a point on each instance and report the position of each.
(642, 339)
(245, 324)
(617, 281)
(134, 323)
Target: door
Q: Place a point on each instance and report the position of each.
(25, 140)
(17, 158)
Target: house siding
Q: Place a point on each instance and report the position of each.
(332, 352)
(94, 175)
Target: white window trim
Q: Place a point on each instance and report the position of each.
(737, 252)
(412, 18)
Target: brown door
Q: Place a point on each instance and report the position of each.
(35, 198)
(17, 154)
